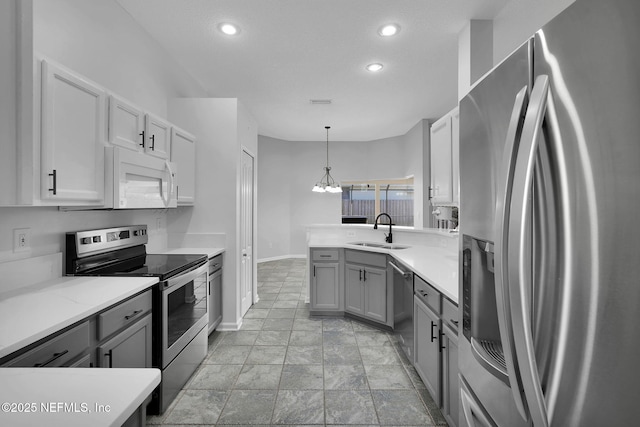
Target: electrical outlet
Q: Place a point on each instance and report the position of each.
(21, 239)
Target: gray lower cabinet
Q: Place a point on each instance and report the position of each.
(130, 348)
(325, 293)
(450, 382)
(215, 292)
(436, 347)
(325, 287)
(69, 348)
(118, 337)
(427, 347)
(366, 292)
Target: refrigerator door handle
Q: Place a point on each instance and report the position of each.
(518, 266)
(503, 203)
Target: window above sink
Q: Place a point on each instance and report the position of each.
(362, 201)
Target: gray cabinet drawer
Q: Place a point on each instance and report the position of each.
(215, 263)
(450, 313)
(123, 314)
(368, 258)
(57, 351)
(428, 293)
(326, 254)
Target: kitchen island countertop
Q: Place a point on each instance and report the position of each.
(73, 396)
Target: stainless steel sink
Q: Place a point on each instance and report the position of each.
(371, 244)
(379, 245)
(395, 247)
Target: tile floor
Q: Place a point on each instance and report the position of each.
(286, 368)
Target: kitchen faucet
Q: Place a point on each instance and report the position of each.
(388, 237)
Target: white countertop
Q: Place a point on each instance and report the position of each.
(73, 396)
(210, 252)
(34, 312)
(436, 265)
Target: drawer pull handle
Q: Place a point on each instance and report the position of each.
(54, 357)
(433, 338)
(455, 322)
(142, 135)
(153, 143)
(442, 347)
(109, 354)
(325, 256)
(134, 314)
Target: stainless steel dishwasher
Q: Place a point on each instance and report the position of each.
(403, 307)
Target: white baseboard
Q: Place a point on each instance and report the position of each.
(277, 258)
(224, 327)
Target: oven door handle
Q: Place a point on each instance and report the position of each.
(186, 276)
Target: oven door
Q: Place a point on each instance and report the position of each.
(184, 311)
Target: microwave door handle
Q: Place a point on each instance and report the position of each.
(519, 266)
(503, 202)
(167, 201)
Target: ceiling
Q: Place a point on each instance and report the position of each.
(289, 52)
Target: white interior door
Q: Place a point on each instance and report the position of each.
(246, 233)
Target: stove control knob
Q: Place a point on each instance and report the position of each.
(136, 232)
(85, 240)
(96, 239)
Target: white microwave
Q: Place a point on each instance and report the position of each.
(134, 180)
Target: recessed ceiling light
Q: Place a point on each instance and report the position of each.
(389, 30)
(229, 29)
(374, 67)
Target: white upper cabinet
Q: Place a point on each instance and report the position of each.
(157, 134)
(183, 153)
(444, 160)
(72, 138)
(126, 124)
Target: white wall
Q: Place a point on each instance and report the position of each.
(222, 127)
(519, 20)
(289, 169)
(274, 207)
(99, 40)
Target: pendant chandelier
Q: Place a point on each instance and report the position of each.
(327, 184)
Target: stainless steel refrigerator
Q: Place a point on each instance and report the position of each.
(550, 227)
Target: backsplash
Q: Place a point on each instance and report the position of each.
(48, 226)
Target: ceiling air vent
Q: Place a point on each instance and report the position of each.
(320, 101)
